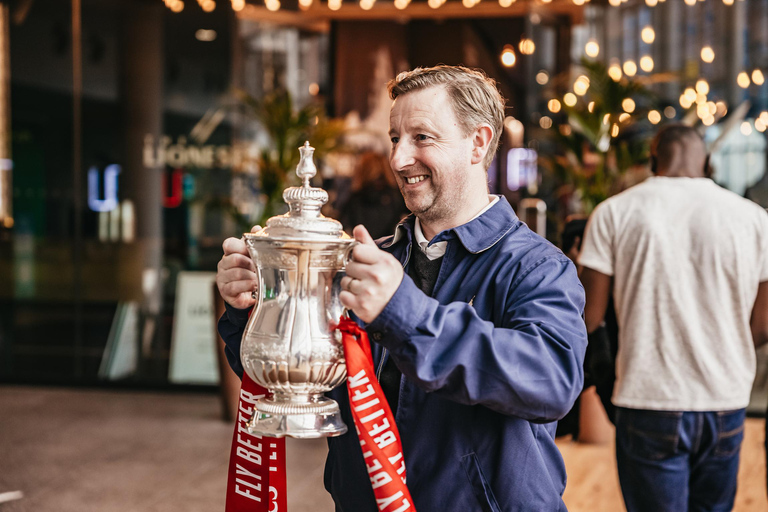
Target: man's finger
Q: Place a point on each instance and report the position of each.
(233, 246)
(361, 235)
(236, 260)
(368, 254)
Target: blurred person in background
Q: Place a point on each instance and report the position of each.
(474, 320)
(687, 262)
(375, 201)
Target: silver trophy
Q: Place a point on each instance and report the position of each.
(289, 345)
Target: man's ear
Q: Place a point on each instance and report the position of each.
(481, 143)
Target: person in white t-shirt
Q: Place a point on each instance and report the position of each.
(687, 263)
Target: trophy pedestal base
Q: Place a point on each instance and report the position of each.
(276, 418)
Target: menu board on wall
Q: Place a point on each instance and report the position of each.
(193, 344)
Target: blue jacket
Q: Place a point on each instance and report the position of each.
(489, 364)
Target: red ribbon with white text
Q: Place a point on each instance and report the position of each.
(256, 481)
(375, 425)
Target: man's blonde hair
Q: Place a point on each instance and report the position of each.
(474, 97)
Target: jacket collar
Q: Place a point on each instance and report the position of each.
(476, 236)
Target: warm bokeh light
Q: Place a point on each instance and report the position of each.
(757, 77)
(177, 6)
(746, 128)
(208, 5)
(402, 4)
(708, 121)
(628, 104)
(565, 129)
(569, 99)
(651, 3)
(702, 87)
(624, 117)
(272, 5)
(581, 85)
(527, 46)
(606, 118)
(670, 112)
(630, 68)
(615, 3)
(711, 108)
(334, 5)
(743, 80)
(707, 54)
(654, 117)
(614, 71)
(690, 2)
(508, 57)
(314, 89)
(759, 125)
(435, 4)
(542, 77)
(646, 63)
(690, 94)
(239, 5)
(648, 35)
(592, 48)
(685, 102)
(591, 107)
(506, 3)
(722, 108)
(728, 2)
(545, 122)
(554, 105)
(367, 5)
(615, 130)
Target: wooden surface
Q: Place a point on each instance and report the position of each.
(593, 483)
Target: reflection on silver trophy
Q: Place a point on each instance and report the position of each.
(289, 345)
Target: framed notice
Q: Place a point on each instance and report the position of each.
(193, 344)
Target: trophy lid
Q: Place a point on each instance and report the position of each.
(303, 220)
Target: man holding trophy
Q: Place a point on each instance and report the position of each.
(476, 322)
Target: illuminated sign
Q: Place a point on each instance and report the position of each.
(109, 201)
(173, 200)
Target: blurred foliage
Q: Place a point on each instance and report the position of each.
(287, 128)
(600, 140)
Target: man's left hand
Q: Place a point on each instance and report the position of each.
(373, 277)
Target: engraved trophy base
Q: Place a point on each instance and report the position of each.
(319, 417)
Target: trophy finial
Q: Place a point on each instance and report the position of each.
(306, 168)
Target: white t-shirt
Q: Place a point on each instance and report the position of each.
(686, 256)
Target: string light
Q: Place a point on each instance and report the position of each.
(207, 5)
(630, 68)
(581, 85)
(508, 57)
(743, 80)
(592, 48)
(615, 3)
(654, 117)
(707, 54)
(670, 112)
(615, 130)
(628, 104)
(545, 122)
(554, 105)
(367, 5)
(648, 35)
(746, 128)
(591, 107)
(306, 4)
(708, 121)
(542, 77)
(651, 3)
(527, 46)
(646, 63)
(272, 5)
(334, 5)
(757, 77)
(690, 2)
(506, 3)
(569, 99)
(239, 5)
(614, 71)
(759, 125)
(702, 87)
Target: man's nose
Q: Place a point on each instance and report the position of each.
(402, 156)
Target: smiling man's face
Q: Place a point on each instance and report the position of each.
(431, 155)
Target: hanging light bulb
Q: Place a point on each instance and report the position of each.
(614, 71)
(508, 57)
(334, 5)
(554, 105)
(569, 99)
(651, 3)
(615, 3)
(707, 54)
(581, 85)
(743, 80)
(646, 63)
(579, 2)
(207, 5)
(238, 5)
(592, 48)
(648, 35)
(527, 46)
(685, 102)
(305, 4)
(367, 5)
(272, 5)
(628, 104)
(708, 121)
(630, 68)
(728, 2)
(702, 87)
(690, 94)
(506, 3)
(757, 77)
(654, 117)
(690, 2)
(435, 4)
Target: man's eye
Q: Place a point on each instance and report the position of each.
(421, 137)
(395, 140)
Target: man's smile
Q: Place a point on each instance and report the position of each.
(415, 179)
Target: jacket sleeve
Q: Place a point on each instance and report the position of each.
(530, 366)
(231, 327)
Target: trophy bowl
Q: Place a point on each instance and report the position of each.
(289, 345)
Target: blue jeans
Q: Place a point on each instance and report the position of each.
(678, 461)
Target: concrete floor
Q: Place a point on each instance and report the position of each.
(105, 451)
(76, 450)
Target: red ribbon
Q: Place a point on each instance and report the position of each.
(375, 425)
(256, 481)
(257, 478)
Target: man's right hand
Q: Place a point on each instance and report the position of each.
(236, 276)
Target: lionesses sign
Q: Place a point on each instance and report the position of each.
(257, 477)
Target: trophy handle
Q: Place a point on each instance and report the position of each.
(347, 257)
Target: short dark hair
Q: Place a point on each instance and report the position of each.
(669, 141)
